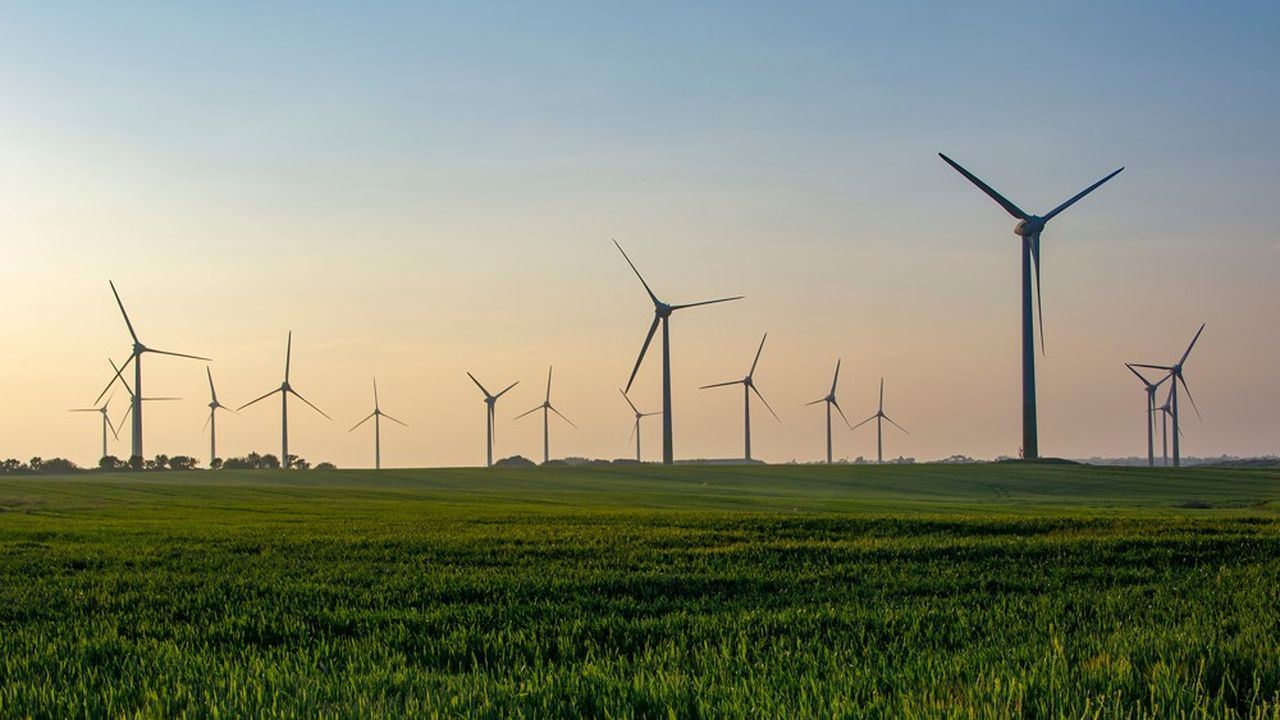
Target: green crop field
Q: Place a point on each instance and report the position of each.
(752, 592)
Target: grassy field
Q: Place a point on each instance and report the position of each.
(788, 592)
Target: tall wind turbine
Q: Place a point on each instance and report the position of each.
(830, 400)
(635, 429)
(1028, 228)
(212, 422)
(376, 416)
(748, 387)
(546, 407)
(1151, 411)
(489, 400)
(136, 358)
(106, 423)
(1175, 374)
(285, 391)
(662, 315)
(880, 417)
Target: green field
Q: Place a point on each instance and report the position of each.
(783, 591)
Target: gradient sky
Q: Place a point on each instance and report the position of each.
(417, 190)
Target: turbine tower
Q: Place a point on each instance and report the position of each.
(547, 407)
(1151, 411)
(635, 429)
(118, 370)
(212, 422)
(489, 400)
(748, 387)
(1028, 228)
(106, 423)
(285, 391)
(880, 417)
(830, 400)
(662, 315)
(1174, 372)
(376, 416)
(135, 357)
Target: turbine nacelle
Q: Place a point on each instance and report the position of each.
(1030, 226)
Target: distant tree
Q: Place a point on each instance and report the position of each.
(215, 464)
(34, 464)
(514, 461)
(137, 463)
(297, 463)
(110, 463)
(237, 463)
(325, 466)
(12, 466)
(161, 462)
(254, 460)
(182, 462)
(269, 462)
(57, 465)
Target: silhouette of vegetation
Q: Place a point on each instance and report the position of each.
(514, 461)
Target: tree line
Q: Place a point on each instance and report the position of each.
(160, 463)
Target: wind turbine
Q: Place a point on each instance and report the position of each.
(1151, 411)
(748, 387)
(546, 407)
(106, 423)
(635, 429)
(830, 400)
(880, 417)
(662, 315)
(212, 422)
(489, 401)
(1028, 228)
(377, 416)
(1175, 372)
(136, 358)
(285, 391)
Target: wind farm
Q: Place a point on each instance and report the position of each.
(449, 201)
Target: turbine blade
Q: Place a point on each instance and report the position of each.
(1144, 380)
(643, 349)
(723, 384)
(635, 428)
(881, 394)
(652, 297)
(1035, 261)
(174, 354)
(766, 403)
(835, 378)
(527, 412)
(1153, 367)
(562, 417)
(288, 355)
(864, 422)
(1009, 207)
(118, 376)
(504, 391)
(394, 420)
(369, 417)
(132, 334)
(115, 431)
(153, 399)
(213, 394)
(1183, 359)
(815, 402)
(548, 383)
(308, 402)
(1079, 195)
(207, 421)
(891, 422)
(707, 302)
(477, 382)
(842, 417)
(375, 393)
(262, 397)
(633, 405)
(758, 351)
(1183, 381)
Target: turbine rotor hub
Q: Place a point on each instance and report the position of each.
(1029, 227)
(662, 310)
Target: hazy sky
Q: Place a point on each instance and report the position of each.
(417, 190)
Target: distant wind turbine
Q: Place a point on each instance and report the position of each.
(879, 417)
(136, 358)
(376, 416)
(546, 407)
(635, 429)
(662, 315)
(1150, 390)
(106, 423)
(830, 400)
(133, 399)
(285, 391)
(748, 386)
(1028, 228)
(490, 401)
(212, 422)
(1175, 374)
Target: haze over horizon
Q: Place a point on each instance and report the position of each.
(420, 192)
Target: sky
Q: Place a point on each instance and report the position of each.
(418, 190)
